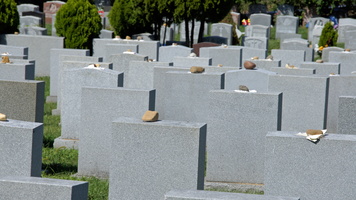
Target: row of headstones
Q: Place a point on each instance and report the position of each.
(119, 81)
(98, 111)
(220, 55)
(212, 56)
(99, 106)
(32, 21)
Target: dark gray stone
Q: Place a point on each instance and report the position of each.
(22, 100)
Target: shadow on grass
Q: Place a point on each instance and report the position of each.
(54, 168)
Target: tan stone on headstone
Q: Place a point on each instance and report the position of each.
(270, 57)
(314, 132)
(195, 69)
(3, 117)
(348, 50)
(243, 88)
(150, 116)
(220, 65)
(128, 38)
(319, 61)
(255, 58)
(16, 33)
(5, 59)
(249, 65)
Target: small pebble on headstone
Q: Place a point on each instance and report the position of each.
(255, 58)
(128, 38)
(3, 117)
(196, 69)
(150, 116)
(314, 132)
(270, 57)
(243, 88)
(288, 66)
(249, 65)
(220, 65)
(192, 55)
(319, 61)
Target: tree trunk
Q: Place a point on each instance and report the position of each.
(186, 22)
(192, 34)
(201, 31)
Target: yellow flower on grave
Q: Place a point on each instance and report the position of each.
(321, 48)
(326, 45)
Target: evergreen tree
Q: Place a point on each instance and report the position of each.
(9, 17)
(79, 22)
(328, 36)
(129, 17)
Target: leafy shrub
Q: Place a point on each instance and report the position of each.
(129, 17)
(9, 17)
(328, 36)
(79, 22)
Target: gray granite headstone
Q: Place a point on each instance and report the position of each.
(304, 97)
(316, 35)
(256, 42)
(297, 167)
(350, 42)
(167, 53)
(21, 148)
(299, 44)
(20, 72)
(339, 86)
(225, 55)
(22, 100)
(55, 55)
(72, 82)
(321, 21)
(36, 188)
(111, 49)
(222, 30)
(38, 49)
(286, 24)
(261, 19)
(257, 31)
(27, 7)
(173, 152)
(184, 91)
(346, 118)
(253, 79)
(238, 124)
(347, 61)
(191, 61)
(140, 74)
(342, 31)
(325, 68)
(99, 107)
(326, 51)
(291, 57)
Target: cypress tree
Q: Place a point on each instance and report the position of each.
(79, 22)
(328, 36)
(9, 17)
